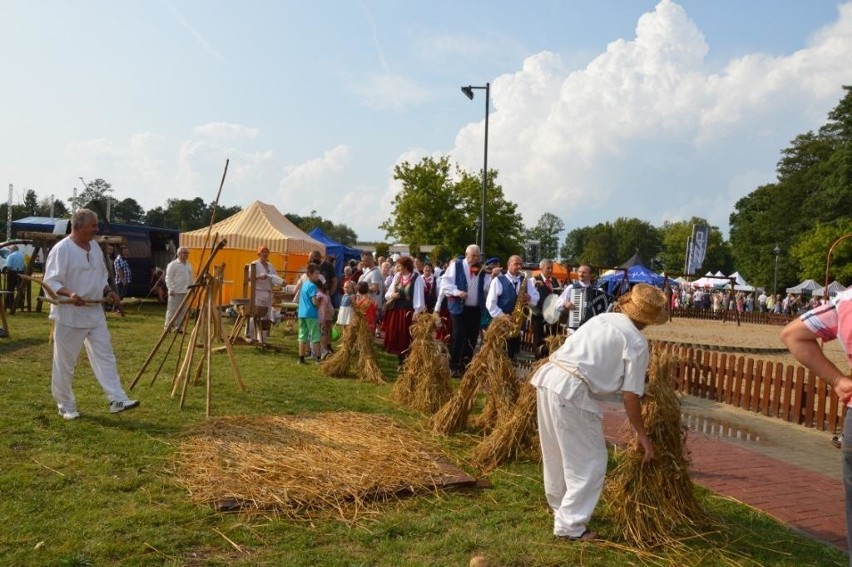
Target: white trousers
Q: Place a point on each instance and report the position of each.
(172, 308)
(574, 456)
(67, 342)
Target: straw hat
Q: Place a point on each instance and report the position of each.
(644, 304)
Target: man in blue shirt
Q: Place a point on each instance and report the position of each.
(14, 266)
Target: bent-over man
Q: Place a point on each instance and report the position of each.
(608, 354)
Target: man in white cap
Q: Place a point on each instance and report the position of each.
(606, 355)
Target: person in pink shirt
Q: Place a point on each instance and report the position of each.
(801, 336)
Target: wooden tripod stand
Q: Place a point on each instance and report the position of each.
(206, 328)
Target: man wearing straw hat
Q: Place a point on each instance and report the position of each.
(826, 322)
(606, 355)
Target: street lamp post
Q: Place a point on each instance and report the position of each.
(777, 251)
(468, 92)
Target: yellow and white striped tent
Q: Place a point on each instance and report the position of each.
(259, 224)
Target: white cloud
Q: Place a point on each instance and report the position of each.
(225, 131)
(646, 130)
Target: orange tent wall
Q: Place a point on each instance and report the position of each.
(288, 266)
(560, 272)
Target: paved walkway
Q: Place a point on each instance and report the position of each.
(788, 471)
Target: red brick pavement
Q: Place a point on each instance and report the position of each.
(807, 501)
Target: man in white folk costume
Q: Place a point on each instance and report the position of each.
(606, 355)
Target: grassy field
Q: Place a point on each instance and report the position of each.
(100, 490)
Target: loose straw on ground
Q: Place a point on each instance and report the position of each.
(424, 383)
(655, 504)
(332, 464)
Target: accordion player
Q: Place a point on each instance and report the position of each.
(585, 303)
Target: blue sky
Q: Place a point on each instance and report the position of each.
(600, 109)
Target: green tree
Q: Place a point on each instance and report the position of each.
(31, 203)
(18, 212)
(94, 197)
(814, 185)
(811, 252)
(339, 232)
(634, 236)
(600, 247)
(59, 209)
(673, 254)
(435, 207)
(382, 249)
(186, 214)
(128, 211)
(575, 242)
(546, 231)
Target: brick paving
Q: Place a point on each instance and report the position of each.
(803, 491)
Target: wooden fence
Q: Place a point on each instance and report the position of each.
(782, 391)
(731, 316)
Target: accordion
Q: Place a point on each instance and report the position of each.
(588, 302)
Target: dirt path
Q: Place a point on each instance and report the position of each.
(745, 336)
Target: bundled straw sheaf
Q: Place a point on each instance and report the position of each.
(424, 383)
(356, 336)
(490, 367)
(367, 367)
(511, 437)
(517, 435)
(655, 503)
(337, 365)
(497, 374)
(337, 464)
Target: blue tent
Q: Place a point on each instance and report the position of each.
(341, 252)
(636, 273)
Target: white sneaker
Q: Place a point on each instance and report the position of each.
(115, 407)
(69, 414)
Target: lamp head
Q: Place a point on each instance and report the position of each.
(468, 91)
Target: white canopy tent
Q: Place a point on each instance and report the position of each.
(739, 283)
(807, 286)
(834, 288)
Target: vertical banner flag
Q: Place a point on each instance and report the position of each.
(699, 247)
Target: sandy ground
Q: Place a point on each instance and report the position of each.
(729, 334)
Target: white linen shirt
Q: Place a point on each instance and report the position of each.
(179, 276)
(451, 290)
(495, 290)
(418, 301)
(82, 272)
(608, 353)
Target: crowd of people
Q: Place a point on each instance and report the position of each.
(708, 299)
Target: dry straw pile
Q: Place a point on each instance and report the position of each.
(655, 504)
(356, 335)
(424, 383)
(337, 365)
(319, 465)
(492, 368)
(518, 433)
